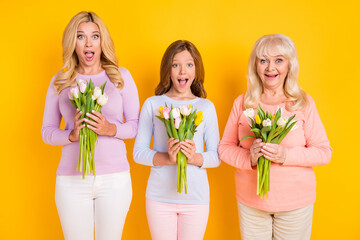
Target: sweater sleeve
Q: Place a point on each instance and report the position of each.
(317, 150)
(211, 138)
(131, 108)
(142, 153)
(50, 130)
(229, 149)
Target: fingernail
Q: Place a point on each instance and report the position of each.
(92, 110)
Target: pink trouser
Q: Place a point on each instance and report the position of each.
(170, 221)
(256, 224)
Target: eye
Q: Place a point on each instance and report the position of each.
(262, 61)
(279, 60)
(80, 37)
(190, 64)
(96, 36)
(175, 65)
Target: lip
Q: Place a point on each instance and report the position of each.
(271, 76)
(182, 81)
(89, 55)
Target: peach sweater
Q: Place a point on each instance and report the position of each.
(292, 184)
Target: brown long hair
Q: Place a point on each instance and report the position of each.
(109, 62)
(197, 86)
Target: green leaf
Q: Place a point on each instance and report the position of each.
(261, 113)
(172, 126)
(285, 132)
(255, 130)
(268, 115)
(252, 123)
(289, 120)
(168, 128)
(103, 87)
(265, 129)
(264, 136)
(161, 119)
(246, 137)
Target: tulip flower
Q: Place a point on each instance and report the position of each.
(185, 111)
(267, 123)
(198, 119)
(97, 92)
(166, 112)
(257, 119)
(102, 99)
(177, 122)
(250, 113)
(282, 121)
(82, 87)
(73, 93)
(175, 112)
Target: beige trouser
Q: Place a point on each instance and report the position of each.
(289, 225)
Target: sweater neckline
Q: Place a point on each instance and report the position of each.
(100, 74)
(191, 101)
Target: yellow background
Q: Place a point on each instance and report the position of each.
(326, 36)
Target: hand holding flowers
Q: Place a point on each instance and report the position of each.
(269, 131)
(274, 152)
(181, 124)
(173, 149)
(87, 98)
(75, 133)
(99, 124)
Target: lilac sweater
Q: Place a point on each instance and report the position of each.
(122, 109)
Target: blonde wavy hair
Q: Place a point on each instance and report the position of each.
(296, 97)
(67, 74)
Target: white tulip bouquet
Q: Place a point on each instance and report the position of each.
(180, 123)
(271, 129)
(86, 97)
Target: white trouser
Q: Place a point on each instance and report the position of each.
(256, 224)
(100, 201)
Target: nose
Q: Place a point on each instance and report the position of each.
(182, 70)
(270, 66)
(88, 42)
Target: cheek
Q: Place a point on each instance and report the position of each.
(98, 45)
(78, 46)
(260, 72)
(284, 70)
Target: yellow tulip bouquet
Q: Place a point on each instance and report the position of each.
(271, 129)
(180, 123)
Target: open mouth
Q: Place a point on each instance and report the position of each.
(183, 81)
(271, 76)
(89, 55)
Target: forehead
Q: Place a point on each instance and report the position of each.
(88, 27)
(183, 55)
(272, 49)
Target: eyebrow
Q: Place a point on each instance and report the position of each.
(190, 59)
(92, 32)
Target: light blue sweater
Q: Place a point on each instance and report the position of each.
(163, 179)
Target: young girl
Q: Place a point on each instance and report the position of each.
(172, 215)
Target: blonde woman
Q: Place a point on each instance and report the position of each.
(98, 202)
(273, 82)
